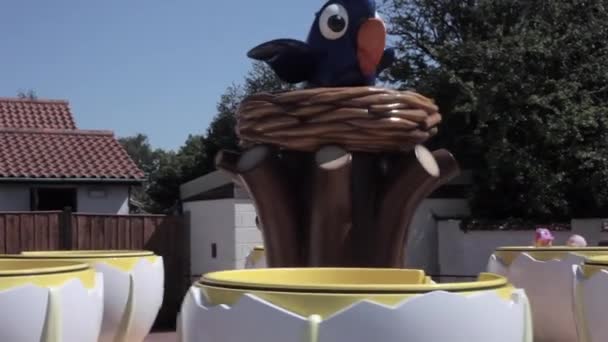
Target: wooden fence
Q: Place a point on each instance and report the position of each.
(62, 230)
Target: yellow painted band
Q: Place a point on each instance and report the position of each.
(371, 280)
(590, 270)
(52, 326)
(599, 260)
(553, 248)
(16, 273)
(313, 328)
(90, 253)
(322, 304)
(29, 267)
(508, 254)
(123, 260)
(325, 291)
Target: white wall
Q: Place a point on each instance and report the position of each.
(422, 247)
(423, 240)
(116, 200)
(14, 197)
(247, 235)
(422, 243)
(467, 253)
(211, 222)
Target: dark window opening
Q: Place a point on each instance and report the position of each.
(214, 250)
(52, 199)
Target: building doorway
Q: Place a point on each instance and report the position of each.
(53, 199)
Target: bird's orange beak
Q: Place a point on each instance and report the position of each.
(371, 41)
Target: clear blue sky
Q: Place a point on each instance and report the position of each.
(152, 66)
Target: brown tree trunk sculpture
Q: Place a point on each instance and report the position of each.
(261, 174)
(331, 214)
(348, 209)
(345, 173)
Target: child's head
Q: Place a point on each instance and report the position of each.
(543, 237)
(576, 241)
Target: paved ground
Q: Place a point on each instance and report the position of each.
(162, 337)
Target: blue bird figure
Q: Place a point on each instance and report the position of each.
(346, 46)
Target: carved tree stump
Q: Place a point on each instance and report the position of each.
(336, 174)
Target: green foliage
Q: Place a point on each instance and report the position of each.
(155, 163)
(167, 170)
(162, 186)
(221, 133)
(29, 94)
(262, 79)
(523, 88)
(141, 152)
(191, 156)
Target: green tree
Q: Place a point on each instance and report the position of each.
(191, 156)
(175, 169)
(163, 189)
(221, 133)
(151, 161)
(29, 94)
(523, 88)
(262, 79)
(141, 152)
(167, 170)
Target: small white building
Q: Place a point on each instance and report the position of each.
(222, 223)
(48, 164)
(223, 230)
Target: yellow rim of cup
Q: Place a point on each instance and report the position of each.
(86, 254)
(342, 280)
(326, 291)
(125, 260)
(508, 254)
(20, 268)
(594, 264)
(551, 249)
(597, 260)
(20, 272)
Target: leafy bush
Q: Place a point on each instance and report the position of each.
(523, 86)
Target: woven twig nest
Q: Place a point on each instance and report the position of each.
(363, 119)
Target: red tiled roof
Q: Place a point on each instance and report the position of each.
(39, 139)
(27, 113)
(34, 153)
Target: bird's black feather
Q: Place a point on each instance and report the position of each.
(292, 60)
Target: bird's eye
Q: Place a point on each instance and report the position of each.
(333, 22)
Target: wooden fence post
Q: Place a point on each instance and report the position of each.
(65, 228)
